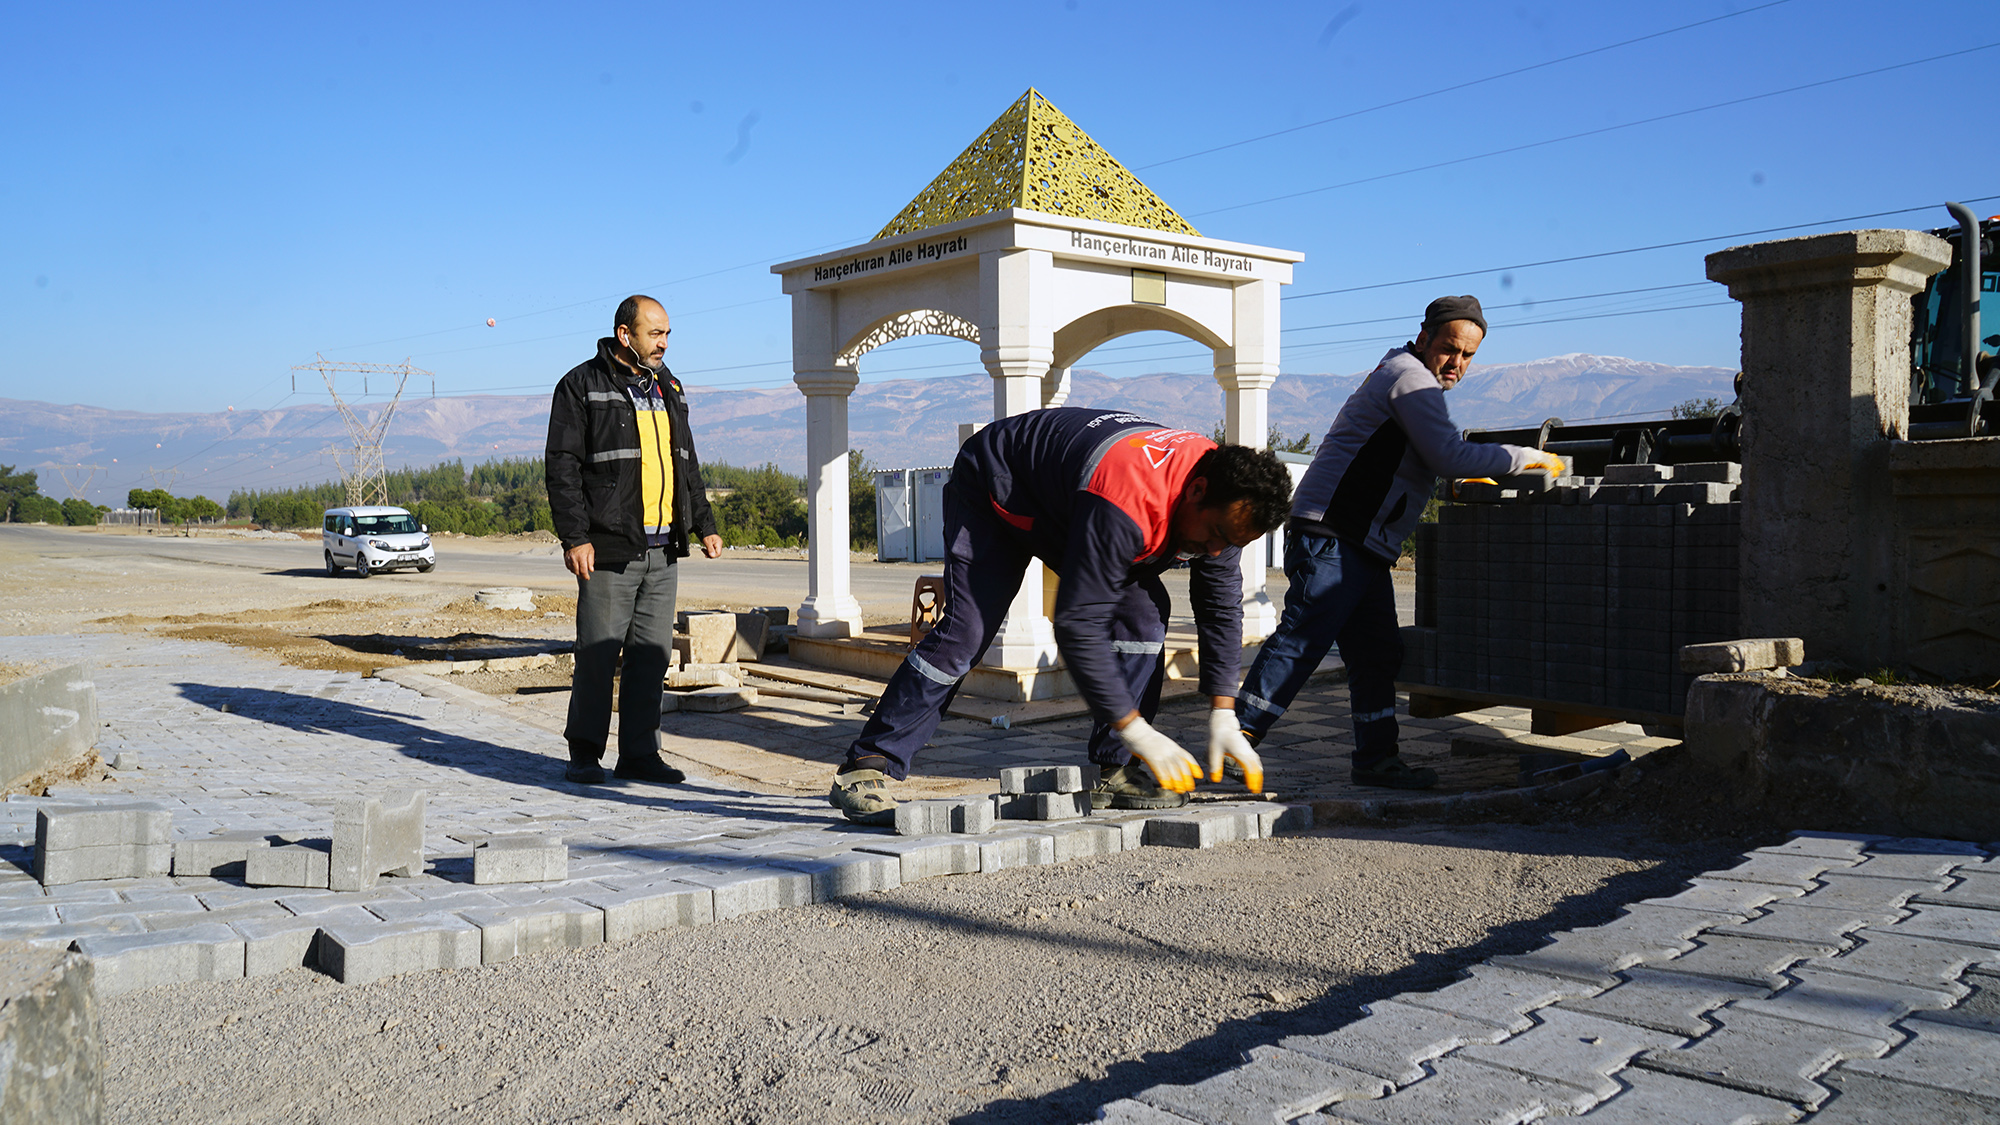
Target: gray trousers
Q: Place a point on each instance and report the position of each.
(628, 606)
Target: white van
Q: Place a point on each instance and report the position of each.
(375, 538)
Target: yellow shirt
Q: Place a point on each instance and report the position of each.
(656, 457)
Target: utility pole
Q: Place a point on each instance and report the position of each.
(87, 472)
(363, 473)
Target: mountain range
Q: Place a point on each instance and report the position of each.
(898, 423)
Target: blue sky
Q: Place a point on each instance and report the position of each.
(197, 197)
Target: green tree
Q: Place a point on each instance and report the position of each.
(36, 508)
(1707, 407)
(765, 510)
(861, 529)
(14, 488)
(1274, 440)
(81, 513)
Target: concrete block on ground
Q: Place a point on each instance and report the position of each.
(55, 868)
(1749, 960)
(1663, 1099)
(287, 865)
(1204, 829)
(1497, 996)
(716, 699)
(711, 637)
(1886, 955)
(520, 859)
(46, 721)
(753, 632)
(61, 827)
(926, 857)
(129, 962)
(1867, 1100)
(51, 1042)
(377, 836)
(355, 953)
(414, 909)
(1573, 1048)
(1273, 819)
(1764, 1055)
(1942, 1055)
(1018, 849)
(1738, 899)
(943, 816)
(1850, 1003)
(1743, 656)
(1041, 806)
(647, 909)
(1078, 841)
(1041, 779)
(273, 945)
(1394, 1040)
(1131, 826)
(1466, 1091)
(507, 932)
(1806, 921)
(1643, 934)
(839, 874)
(703, 676)
(1671, 1002)
(218, 856)
(751, 889)
(1274, 1085)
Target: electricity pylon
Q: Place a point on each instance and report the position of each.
(76, 490)
(363, 474)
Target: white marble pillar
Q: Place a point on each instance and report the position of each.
(1247, 370)
(830, 608)
(1055, 387)
(1018, 345)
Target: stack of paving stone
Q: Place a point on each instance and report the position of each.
(1041, 793)
(1583, 593)
(1844, 980)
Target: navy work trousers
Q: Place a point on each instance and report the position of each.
(1338, 594)
(983, 566)
(623, 606)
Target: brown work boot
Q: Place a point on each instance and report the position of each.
(1130, 786)
(860, 796)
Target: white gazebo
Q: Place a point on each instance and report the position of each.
(1038, 246)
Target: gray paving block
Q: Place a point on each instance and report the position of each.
(1497, 996)
(314, 902)
(376, 836)
(1841, 891)
(1573, 1048)
(1787, 870)
(1849, 1003)
(1041, 806)
(1975, 890)
(944, 816)
(1907, 865)
(1394, 1040)
(1041, 779)
(717, 699)
(1724, 897)
(520, 859)
(1799, 920)
(748, 890)
(842, 873)
(107, 861)
(1125, 1111)
(129, 962)
(507, 932)
(1273, 819)
(925, 857)
(1863, 1099)
(1463, 1091)
(1643, 934)
(413, 909)
(288, 865)
(1671, 1002)
(230, 915)
(1764, 1055)
(59, 827)
(1743, 656)
(1206, 828)
(1749, 960)
(1274, 1085)
(354, 953)
(1016, 849)
(1651, 1098)
(220, 855)
(1887, 955)
(1949, 923)
(1131, 826)
(1941, 1055)
(1081, 840)
(648, 909)
(273, 945)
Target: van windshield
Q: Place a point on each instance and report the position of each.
(400, 524)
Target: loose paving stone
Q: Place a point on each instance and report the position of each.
(1041, 806)
(1670, 1002)
(649, 909)
(288, 865)
(1748, 960)
(1041, 779)
(1497, 996)
(54, 867)
(60, 827)
(1778, 1058)
(1863, 1099)
(1207, 828)
(217, 856)
(1643, 934)
(520, 859)
(944, 816)
(128, 962)
(1849, 1003)
(1463, 1091)
(1573, 1048)
(507, 932)
(354, 953)
(1941, 1055)
(1393, 1040)
(1662, 1099)
(1274, 1085)
(377, 836)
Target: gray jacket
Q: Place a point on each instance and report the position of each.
(1381, 458)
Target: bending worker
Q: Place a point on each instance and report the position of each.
(1109, 500)
(1362, 496)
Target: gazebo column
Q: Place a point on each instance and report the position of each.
(1018, 346)
(1055, 387)
(1247, 372)
(830, 609)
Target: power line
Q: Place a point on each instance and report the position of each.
(1517, 305)
(1594, 132)
(1460, 86)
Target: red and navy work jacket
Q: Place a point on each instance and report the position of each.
(1092, 492)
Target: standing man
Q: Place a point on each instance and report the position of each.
(1109, 500)
(626, 492)
(1362, 496)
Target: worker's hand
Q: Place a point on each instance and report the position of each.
(1174, 768)
(581, 560)
(1542, 459)
(711, 545)
(1227, 740)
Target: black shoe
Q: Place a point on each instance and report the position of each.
(649, 770)
(1394, 773)
(584, 773)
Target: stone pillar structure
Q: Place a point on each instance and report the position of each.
(1247, 370)
(1826, 376)
(1017, 345)
(830, 609)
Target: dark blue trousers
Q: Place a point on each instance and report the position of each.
(983, 565)
(1342, 595)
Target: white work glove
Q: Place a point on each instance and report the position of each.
(1227, 740)
(1542, 459)
(1174, 768)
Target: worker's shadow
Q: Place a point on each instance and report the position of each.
(409, 736)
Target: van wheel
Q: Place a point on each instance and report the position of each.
(332, 568)
(425, 568)
(361, 565)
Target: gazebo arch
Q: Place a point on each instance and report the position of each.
(1038, 246)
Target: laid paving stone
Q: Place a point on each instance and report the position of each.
(129, 962)
(1206, 828)
(507, 932)
(1041, 806)
(228, 915)
(1830, 845)
(414, 909)
(1841, 891)
(1084, 840)
(1863, 1099)
(1980, 1009)
(1974, 891)
(1130, 1112)
(944, 816)
(1643, 934)
(64, 933)
(1662, 1099)
(1783, 869)
(1762, 1054)
(1025, 849)
(357, 953)
(1941, 1055)
(1951, 923)
(838, 874)
(1821, 925)
(1748, 960)
(273, 945)
(924, 858)
(1131, 826)
(1724, 897)
(1274, 1085)
(286, 865)
(520, 859)
(377, 836)
(1670, 1002)
(649, 909)
(1924, 864)
(1887, 955)
(1464, 1091)
(1393, 1040)
(1041, 779)
(748, 890)
(1573, 1048)
(1850, 1003)
(1500, 997)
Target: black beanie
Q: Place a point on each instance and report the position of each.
(1445, 309)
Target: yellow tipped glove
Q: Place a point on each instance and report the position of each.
(1541, 459)
(1226, 740)
(1174, 768)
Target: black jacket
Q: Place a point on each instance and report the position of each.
(593, 476)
